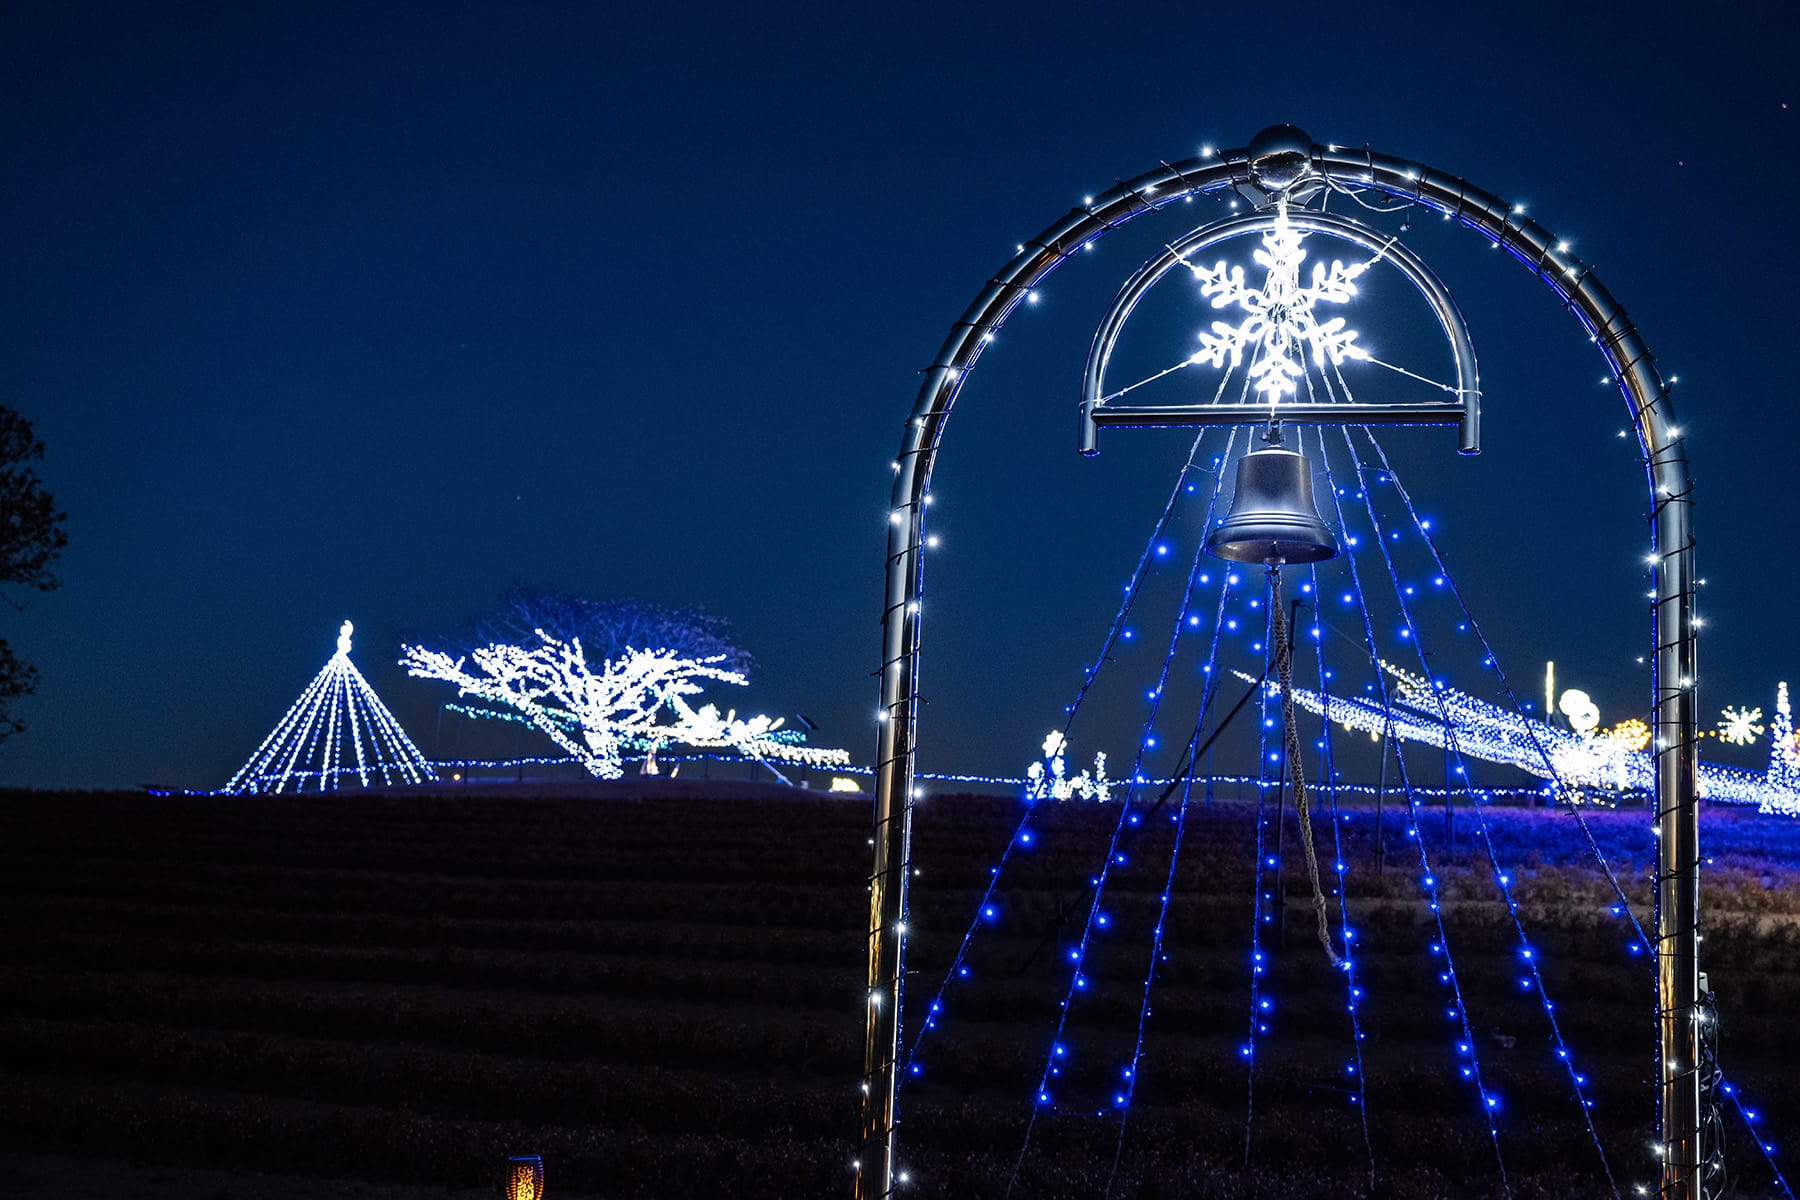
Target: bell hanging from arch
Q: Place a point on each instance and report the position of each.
(1272, 517)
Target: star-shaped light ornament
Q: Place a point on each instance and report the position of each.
(1279, 322)
(1740, 726)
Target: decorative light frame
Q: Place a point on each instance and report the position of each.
(1283, 159)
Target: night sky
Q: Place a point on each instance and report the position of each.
(371, 311)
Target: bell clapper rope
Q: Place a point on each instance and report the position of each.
(1284, 670)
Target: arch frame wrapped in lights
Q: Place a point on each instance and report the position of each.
(1278, 159)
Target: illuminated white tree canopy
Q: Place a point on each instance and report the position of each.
(636, 698)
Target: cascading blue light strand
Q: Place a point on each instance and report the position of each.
(1022, 835)
(1058, 1052)
(1492, 661)
(1129, 1073)
(1642, 943)
(1460, 1012)
(1353, 990)
(1209, 691)
(1528, 954)
(1750, 1117)
(1422, 527)
(1260, 1005)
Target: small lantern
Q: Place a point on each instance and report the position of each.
(522, 1178)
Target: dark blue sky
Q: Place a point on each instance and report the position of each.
(370, 311)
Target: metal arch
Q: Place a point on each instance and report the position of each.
(1450, 318)
(1673, 634)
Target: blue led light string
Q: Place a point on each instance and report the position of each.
(1528, 955)
(1492, 661)
(1328, 776)
(380, 735)
(1077, 979)
(1466, 1047)
(1132, 587)
(1642, 944)
(1259, 1004)
(1129, 1073)
(1007, 781)
(350, 721)
(1750, 1116)
(1022, 835)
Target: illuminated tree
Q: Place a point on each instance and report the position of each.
(605, 627)
(31, 538)
(1784, 766)
(535, 661)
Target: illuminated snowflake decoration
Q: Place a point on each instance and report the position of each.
(1279, 321)
(1740, 726)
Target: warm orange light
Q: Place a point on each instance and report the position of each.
(1632, 734)
(523, 1178)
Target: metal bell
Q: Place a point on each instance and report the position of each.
(1272, 517)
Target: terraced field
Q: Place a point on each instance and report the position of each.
(658, 987)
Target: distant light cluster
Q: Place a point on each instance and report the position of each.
(1614, 758)
(1050, 780)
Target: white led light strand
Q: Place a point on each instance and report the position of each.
(307, 744)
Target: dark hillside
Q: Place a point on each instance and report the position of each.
(658, 987)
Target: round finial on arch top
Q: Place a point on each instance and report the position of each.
(1279, 156)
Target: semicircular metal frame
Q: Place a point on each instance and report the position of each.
(1672, 634)
(1467, 387)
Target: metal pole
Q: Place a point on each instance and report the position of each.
(1674, 707)
(892, 833)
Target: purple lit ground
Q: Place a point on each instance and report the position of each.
(658, 988)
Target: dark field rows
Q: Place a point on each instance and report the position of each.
(661, 992)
